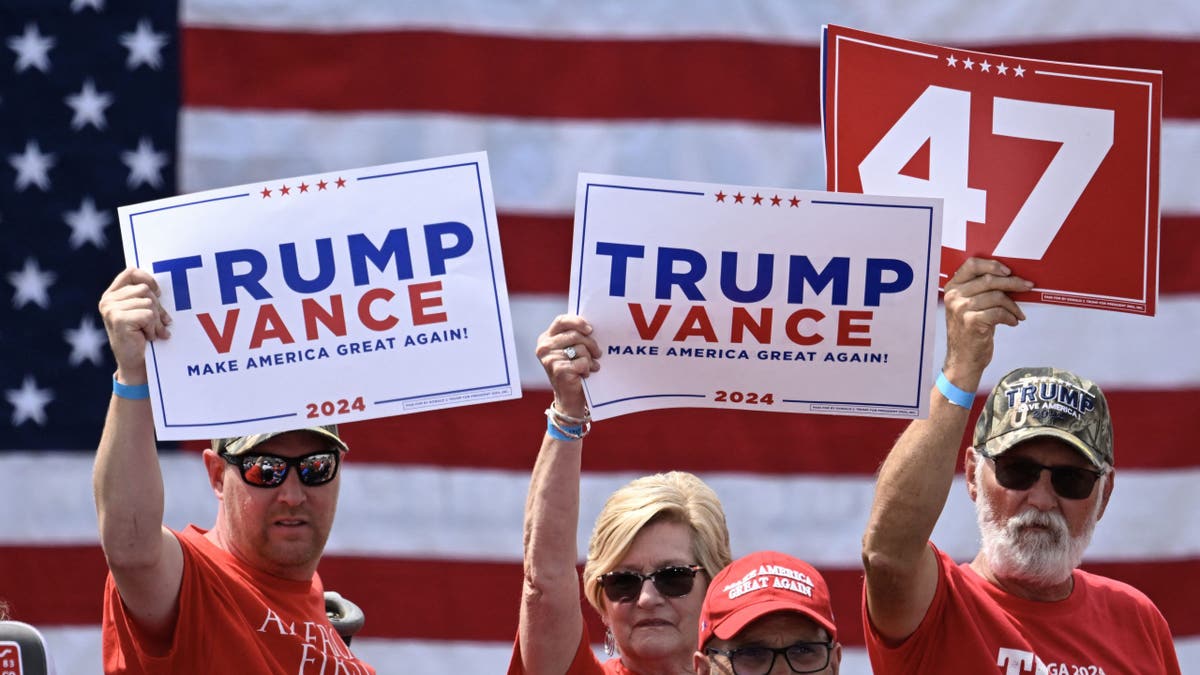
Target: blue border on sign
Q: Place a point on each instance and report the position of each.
(491, 265)
(922, 366)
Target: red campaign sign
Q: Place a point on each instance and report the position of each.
(1050, 167)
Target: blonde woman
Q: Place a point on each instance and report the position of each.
(656, 544)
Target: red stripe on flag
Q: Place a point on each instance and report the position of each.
(475, 601)
(537, 253)
(592, 79)
(497, 75)
(507, 435)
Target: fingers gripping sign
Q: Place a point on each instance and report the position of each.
(977, 300)
(133, 316)
(568, 334)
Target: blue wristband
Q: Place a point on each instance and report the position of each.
(960, 398)
(135, 392)
(557, 434)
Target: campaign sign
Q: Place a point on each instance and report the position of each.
(326, 298)
(755, 298)
(1050, 167)
(10, 658)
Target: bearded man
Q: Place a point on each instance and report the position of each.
(1040, 473)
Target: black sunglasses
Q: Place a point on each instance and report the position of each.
(264, 470)
(1019, 473)
(801, 657)
(674, 581)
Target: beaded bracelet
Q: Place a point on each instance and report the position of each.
(564, 427)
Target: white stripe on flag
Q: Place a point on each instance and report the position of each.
(432, 513)
(535, 162)
(775, 20)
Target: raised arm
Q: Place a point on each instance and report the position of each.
(915, 479)
(143, 556)
(551, 616)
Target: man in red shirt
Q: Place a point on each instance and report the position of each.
(243, 596)
(1040, 474)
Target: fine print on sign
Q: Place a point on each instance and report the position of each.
(327, 298)
(727, 296)
(1050, 167)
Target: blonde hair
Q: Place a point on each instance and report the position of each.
(677, 497)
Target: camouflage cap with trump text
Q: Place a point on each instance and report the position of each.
(243, 444)
(1032, 402)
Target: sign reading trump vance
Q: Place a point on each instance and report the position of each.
(326, 298)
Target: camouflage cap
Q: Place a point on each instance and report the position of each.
(242, 444)
(1032, 402)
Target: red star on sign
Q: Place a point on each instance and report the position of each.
(738, 198)
(341, 182)
(285, 190)
(775, 200)
(321, 185)
(266, 193)
(794, 201)
(720, 196)
(757, 198)
(304, 187)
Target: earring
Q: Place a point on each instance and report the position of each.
(610, 642)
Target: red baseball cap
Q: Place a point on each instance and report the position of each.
(759, 584)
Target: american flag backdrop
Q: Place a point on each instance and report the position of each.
(104, 103)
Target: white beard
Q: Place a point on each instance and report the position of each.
(1033, 556)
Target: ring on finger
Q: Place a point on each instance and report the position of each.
(570, 352)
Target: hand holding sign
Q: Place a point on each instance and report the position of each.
(1052, 167)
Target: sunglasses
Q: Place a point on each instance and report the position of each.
(674, 581)
(1070, 482)
(268, 471)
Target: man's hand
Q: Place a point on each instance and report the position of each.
(133, 316)
(566, 374)
(977, 300)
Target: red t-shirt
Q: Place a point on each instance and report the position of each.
(973, 626)
(584, 663)
(232, 619)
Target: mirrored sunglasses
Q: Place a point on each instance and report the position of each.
(1019, 473)
(674, 581)
(266, 470)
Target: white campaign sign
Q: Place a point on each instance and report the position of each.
(326, 298)
(727, 296)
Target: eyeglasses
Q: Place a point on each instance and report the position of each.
(802, 657)
(264, 470)
(1070, 482)
(675, 581)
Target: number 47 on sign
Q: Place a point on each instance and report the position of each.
(1051, 167)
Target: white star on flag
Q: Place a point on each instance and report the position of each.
(77, 6)
(1019, 71)
(89, 106)
(32, 285)
(951, 61)
(33, 50)
(968, 63)
(1002, 69)
(144, 164)
(985, 66)
(86, 342)
(29, 402)
(32, 167)
(87, 224)
(144, 46)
